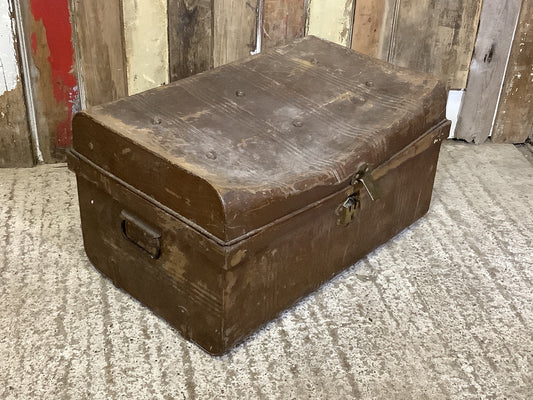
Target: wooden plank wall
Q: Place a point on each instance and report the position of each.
(204, 34)
(429, 36)
(53, 82)
(145, 43)
(234, 30)
(190, 37)
(373, 26)
(15, 144)
(498, 22)
(283, 20)
(121, 47)
(514, 119)
(331, 20)
(101, 48)
(436, 37)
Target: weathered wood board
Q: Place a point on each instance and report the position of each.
(331, 20)
(53, 83)
(190, 36)
(15, 144)
(497, 25)
(102, 61)
(204, 34)
(514, 119)
(436, 37)
(146, 43)
(283, 20)
(373, 26)
(234, 29)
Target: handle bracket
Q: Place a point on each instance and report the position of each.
(141, 234)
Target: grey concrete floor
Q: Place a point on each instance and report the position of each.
(443, 311)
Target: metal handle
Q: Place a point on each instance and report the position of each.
(141, 234)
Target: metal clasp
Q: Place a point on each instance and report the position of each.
(364, 176)
(348, 210)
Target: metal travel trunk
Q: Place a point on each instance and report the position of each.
(220, 200)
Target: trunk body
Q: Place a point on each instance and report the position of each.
(220, 200)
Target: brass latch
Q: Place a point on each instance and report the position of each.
(364, 175)
(348, 210)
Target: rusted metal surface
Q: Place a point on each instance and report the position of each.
(244, 189)
(243, 156)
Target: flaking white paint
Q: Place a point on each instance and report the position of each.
(331, 20)
(455, 97)
(8, 61)
(146, 37)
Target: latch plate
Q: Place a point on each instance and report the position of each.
(348, 210)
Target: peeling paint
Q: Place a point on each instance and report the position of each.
(8, 59)
(146, 37)
(331, 20)
(54, 16)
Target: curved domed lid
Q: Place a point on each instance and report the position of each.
(238, 147)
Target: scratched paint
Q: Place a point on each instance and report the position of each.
(54, 15)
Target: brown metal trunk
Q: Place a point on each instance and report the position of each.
(220, 200)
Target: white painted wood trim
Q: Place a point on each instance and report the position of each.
(146, 43)
(455, 98)
(331, 20)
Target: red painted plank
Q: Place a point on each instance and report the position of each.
(54, 15)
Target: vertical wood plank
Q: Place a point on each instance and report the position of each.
(514, 119)
(146, 43)
(190, 35)
(498, 22)
(234, 29)
(15, 144)
(436, 37)
(283, 20)
(99, 30)
(331, 20)
(372, 27)
(52, 79)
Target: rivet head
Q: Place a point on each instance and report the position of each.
(369, 83)
(297, 123)
(156, 121)
(212, 155)
(240, 93)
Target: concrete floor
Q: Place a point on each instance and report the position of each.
(443, 311)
